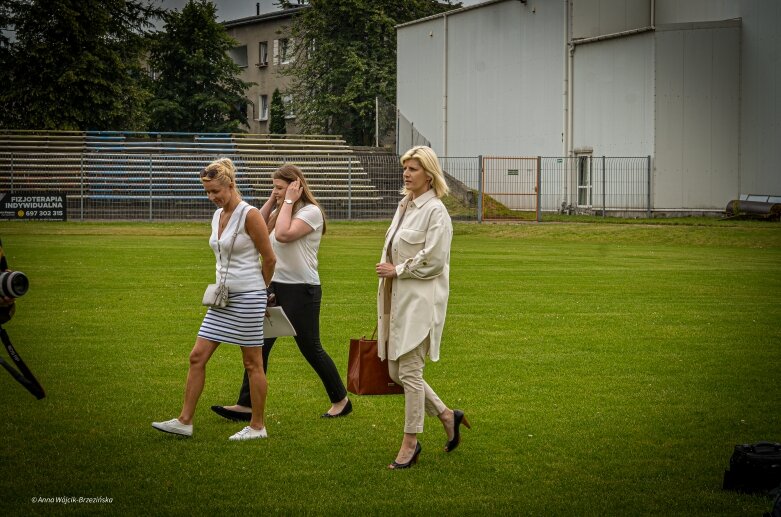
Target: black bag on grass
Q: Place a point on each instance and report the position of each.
(776, 510)
(754, 468)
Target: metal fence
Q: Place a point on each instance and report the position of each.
(166, 186)
(601, 185)
(530, 187)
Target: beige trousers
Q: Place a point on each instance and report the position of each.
(407, 370)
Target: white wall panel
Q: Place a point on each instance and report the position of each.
(599, 17)
(697, 116)
(420, 54)
(505, 79)
(613, 96)
(683, 11)
(505, 89)
(703, 99)
(725, 117)
(760, 107)
(760, 128)
(669, 125)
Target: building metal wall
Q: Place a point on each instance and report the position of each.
(504, 79)
(676, 11)
(760, 80)
(760, 128)
(419, 79)
(592, 18)
(702, 99)
(614, 96)
(697, 116)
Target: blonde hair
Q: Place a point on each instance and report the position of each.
(430, 163)
(223, 171)
(290, 173)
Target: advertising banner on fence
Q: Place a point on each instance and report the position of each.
(34, 206)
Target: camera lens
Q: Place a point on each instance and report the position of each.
(13, 284)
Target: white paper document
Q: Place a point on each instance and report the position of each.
(276, 324)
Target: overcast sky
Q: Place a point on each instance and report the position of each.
(235, 9)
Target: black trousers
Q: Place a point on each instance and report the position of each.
(301, 303)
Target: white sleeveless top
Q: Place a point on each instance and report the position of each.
(244, 273)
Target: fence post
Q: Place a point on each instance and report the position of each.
(149, 157)
(350, 188)
(81, 187)
(480, 188)
(539, 188)
(376, 121)
(603, 186)
(648, 193)
(397, 130)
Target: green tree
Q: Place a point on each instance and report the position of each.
(6, 13)
(277, 116)
(345, 56)
(198, 87)
(75, 64)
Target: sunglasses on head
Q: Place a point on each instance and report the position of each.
(209, 174)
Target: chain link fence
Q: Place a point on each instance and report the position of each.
(166, 186)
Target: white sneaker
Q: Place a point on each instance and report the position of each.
(249, 433)
(174, 426)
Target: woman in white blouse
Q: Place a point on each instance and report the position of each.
(414, 272)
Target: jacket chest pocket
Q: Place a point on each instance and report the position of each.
(410, 243)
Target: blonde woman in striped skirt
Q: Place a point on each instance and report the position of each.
(240, 323)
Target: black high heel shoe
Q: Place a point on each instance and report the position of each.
(346, 410)
(236, 416)
(411, 462)
(458, 419)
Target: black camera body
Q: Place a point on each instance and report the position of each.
(13, 284)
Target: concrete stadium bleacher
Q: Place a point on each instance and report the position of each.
(132, 167)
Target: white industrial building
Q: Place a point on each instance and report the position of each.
(693, 84)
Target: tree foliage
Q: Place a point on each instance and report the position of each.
(345, 56)
(277, 116)
(75, 64)
(197, 87)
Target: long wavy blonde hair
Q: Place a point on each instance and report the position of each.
(290, 173)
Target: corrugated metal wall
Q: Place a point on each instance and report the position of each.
(614, 96)
(505, 79)
(592, 18)
(420, 51)
(697, 117)
(702, 100)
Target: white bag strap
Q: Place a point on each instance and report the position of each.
(233, 241)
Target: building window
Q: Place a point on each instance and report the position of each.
(263, 53)
(287, 100)
(310, 51)
(239, 55)
(283, 51)
(263, 111)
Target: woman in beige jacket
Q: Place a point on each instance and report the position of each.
(414, 272)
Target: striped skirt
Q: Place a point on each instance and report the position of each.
(239, 323)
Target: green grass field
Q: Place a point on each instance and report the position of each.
(607, 369)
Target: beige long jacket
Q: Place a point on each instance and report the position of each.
(413, 305)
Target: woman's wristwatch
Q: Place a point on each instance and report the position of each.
(289, 201)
